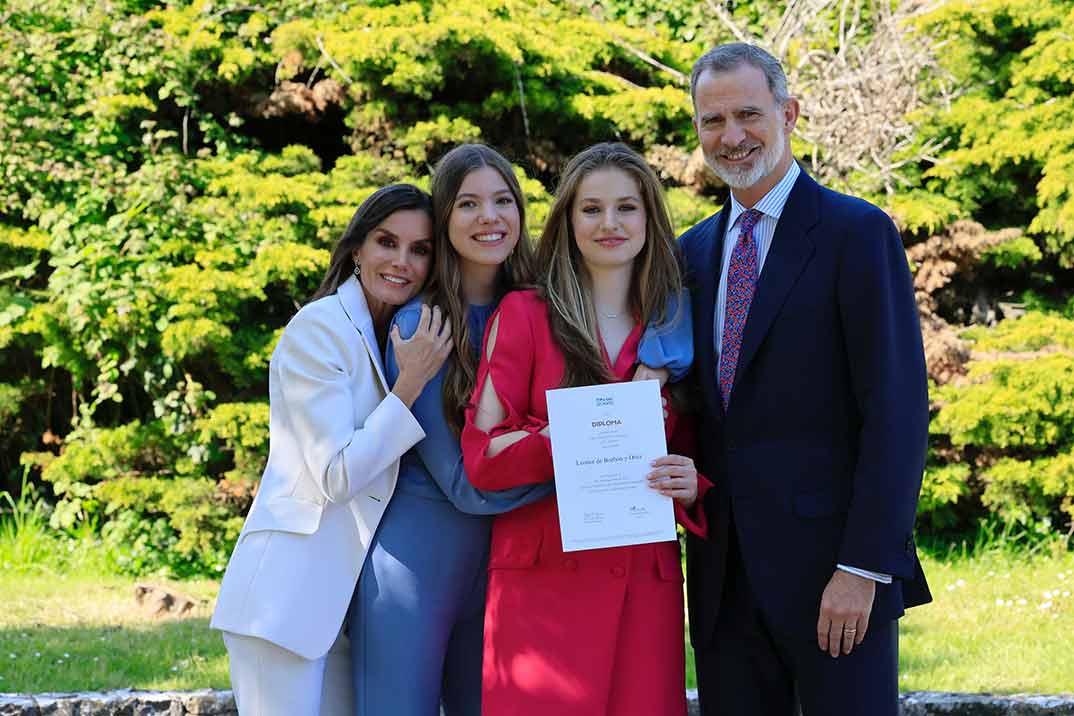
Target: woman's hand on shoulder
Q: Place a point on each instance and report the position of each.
(420, 356)
(676, 477)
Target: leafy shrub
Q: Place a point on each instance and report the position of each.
(174, 177)
(1009, 427)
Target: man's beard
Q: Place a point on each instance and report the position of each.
(745, 177)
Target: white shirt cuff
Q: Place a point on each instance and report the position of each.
(875, 576)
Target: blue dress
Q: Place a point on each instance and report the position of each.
(416, 620)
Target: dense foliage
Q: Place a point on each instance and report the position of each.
(174, 175)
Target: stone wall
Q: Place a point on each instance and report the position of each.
(220, 703)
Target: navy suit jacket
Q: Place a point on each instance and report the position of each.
(822, 449)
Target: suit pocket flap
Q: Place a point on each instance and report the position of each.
(286, 514)
(515, 552)
(819, 504)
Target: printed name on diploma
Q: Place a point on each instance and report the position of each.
(606, 460)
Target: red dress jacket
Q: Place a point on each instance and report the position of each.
(589, 632)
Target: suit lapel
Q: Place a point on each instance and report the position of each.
(707, 276)
(354, 305)
(790, 252)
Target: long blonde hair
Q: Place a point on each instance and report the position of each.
(445, 286)
(567, 286)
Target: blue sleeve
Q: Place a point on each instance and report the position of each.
(440, 452)
(670, 345)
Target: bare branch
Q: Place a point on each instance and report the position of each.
(649, 59)
(522, 102)
(332, 61)
(857, 95)
(729, 22)
(243, 8)
(186, 131)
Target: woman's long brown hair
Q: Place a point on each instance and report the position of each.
(567, 285)
(445, 286)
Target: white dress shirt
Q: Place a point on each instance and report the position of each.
(771, 208)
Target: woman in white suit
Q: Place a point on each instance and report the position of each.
(336, 433)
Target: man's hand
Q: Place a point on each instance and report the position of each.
(844, 612)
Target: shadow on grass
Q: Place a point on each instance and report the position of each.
(170, 654)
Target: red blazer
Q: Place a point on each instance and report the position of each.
(557, 625)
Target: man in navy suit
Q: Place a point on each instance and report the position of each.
(814, 419)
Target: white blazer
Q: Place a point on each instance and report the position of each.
(335, 438)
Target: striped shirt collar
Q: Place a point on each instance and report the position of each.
(772, 203)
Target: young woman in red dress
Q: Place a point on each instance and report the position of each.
(597, 631)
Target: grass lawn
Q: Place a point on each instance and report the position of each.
(70, 633)
(999, 622)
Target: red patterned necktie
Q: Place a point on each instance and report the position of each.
(741, 282)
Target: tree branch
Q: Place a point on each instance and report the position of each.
(522, 102)
(332, 61)
(725, 17)
(649, 59)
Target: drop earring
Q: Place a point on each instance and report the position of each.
(357, 271)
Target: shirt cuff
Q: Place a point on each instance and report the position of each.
(875, 576)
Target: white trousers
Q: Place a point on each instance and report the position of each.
(268, 680)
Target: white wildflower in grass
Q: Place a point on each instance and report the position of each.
(13, 656)
(37, 653)
(999, 602)
(1010, 603)
(175, 668)
(960, 583)
(1046, 605)
(1022, 602)
(1066, 593)
(950, 587)
(59, 661)
(66, 655)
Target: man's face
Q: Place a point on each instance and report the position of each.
(742, 130)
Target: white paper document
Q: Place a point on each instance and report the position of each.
(603, 439)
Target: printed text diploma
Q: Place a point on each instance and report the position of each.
(603, 439)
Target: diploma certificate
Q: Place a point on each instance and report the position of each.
(603, 439)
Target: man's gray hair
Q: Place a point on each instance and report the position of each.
(727, 58)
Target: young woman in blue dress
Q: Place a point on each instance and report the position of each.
(416, 621)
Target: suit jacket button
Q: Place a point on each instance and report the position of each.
(618, 571)
(570, 564)
(910, 546)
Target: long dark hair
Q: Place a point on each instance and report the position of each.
(566, 284)
(373, 211)
(445, 286)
